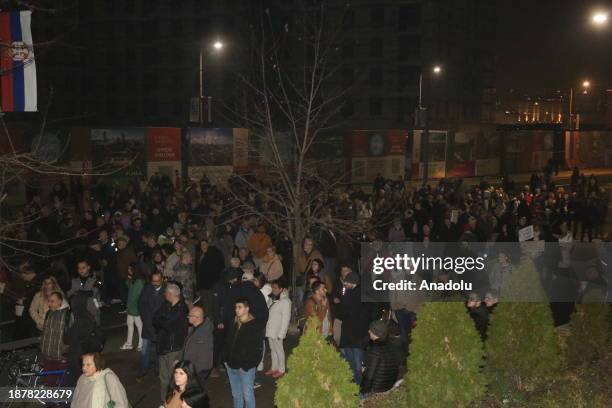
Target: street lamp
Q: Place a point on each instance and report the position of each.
(586, 84)
(422, 119)
(216, 46)
(600, 18)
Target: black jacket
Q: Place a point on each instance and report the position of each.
(480, 316)
(149, 301)
(381, 367)
(355, 319)
(210, 268)
(245, 345)
(257, 302)
(170, 324)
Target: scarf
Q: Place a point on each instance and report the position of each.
(99, 396)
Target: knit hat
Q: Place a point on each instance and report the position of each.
(379, 328)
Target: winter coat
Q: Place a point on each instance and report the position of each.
(134, 290)
(199, 345)
(124, 258)
(257, 303)
(170, 324)
(184, 275)
(354, 319)
(272, 269)
(39, 308)
(84, 391)
(381, 367)
(244, 344)
(258, 243)
(210, 268)
(149, 302)
(52, 339)
(279, 317)
(242, 238)
(303, 261)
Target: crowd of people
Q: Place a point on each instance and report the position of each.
(208, 288)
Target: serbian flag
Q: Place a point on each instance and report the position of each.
(17, 66)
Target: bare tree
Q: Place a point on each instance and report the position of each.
(293, 103)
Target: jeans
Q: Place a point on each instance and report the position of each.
(405, 319)
(354, 356)
(146, 355)
(241, 383)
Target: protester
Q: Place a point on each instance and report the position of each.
(24, 291)
(135, 284)
(199, 343)
(208, 273)
(271, 267)
(98, 386)
(318, 305)
(86, 282)
(277, 326)
(185, 390)
(40, 303)
(381, 363)
(52, 346)
(244, 350)
(150, 300)
(170, 322)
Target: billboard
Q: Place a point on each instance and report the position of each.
(463, 163)
(119, 151)
(217, 152)
(437, 154)
(163, 144)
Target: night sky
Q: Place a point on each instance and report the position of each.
(551, 44)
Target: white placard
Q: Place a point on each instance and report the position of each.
(525, 234)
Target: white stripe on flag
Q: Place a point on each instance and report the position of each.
(29, 68)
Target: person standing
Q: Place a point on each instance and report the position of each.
(135, 283)
(381, 365)
(208, 272)
(185, 391)
(199, 343)
(86, 281)
(272, 266)
(277, 326)
(52, 346)
(170, 322)
(40, 302)
(318, 305)
(98, 385)
(354, 323)
(150, 300)
(244, 350)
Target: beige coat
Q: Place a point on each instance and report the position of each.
(39, 308)
(273, 269)
(84, 391)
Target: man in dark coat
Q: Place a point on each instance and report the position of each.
(381, 364)
(351, 311)
(151, 298)
(170, 323)
(208, 273)
(199, 343)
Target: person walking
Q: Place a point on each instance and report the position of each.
(98, 386)
(199, 343)
(170, 322)
(244, 349)
(150, 300)
(135, 284)
(277, 326)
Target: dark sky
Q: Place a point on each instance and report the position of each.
(551, 44)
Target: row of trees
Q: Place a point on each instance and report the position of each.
(450, 367)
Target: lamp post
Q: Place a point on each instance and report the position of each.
(600, 18)
(423, 119)
(586, 84)
(216, 46)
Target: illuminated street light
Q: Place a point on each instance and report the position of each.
(217, 45)
(586, 84)
(437, 70)
(600, 18)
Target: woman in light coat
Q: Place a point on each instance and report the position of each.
(272, 266)
(40, 306)
(277, 326)
(98, 385)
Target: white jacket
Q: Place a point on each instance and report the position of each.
(279, 316)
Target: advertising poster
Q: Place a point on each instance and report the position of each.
(211, 147)
(164, 152)
(120, 151)
(241, 148)
(463, 163)
(437, 149)
(373, 152)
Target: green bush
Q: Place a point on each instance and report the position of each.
(317, 376)
(522, 347)
(590, 331)
(445, 362)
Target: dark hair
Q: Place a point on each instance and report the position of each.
(282, 283)
(317, 285)
(99, 361)
(167, 248)
(243, 301)
(82, 260)
(58, 294)
(192, 379)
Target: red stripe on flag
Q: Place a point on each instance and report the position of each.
(6, 62)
